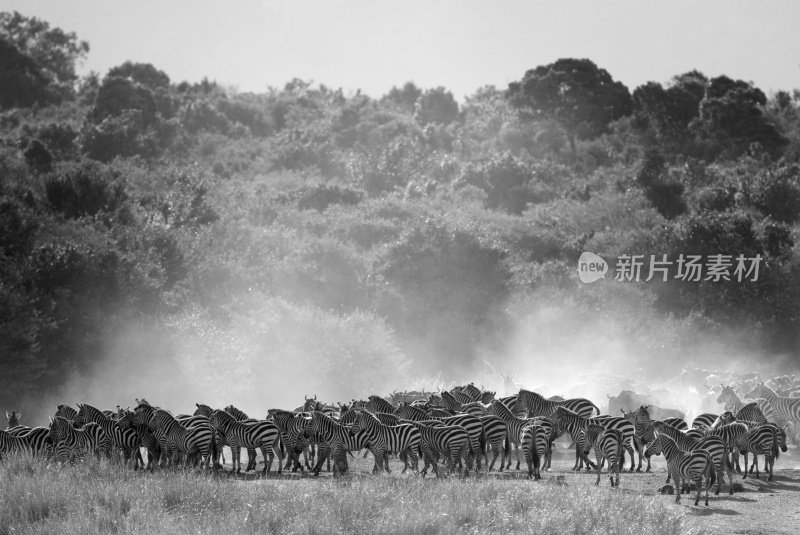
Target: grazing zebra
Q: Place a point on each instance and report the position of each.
(715, 445)
(124, 440)
(35, 442)
(536, 405)
(196, 439)
(401, 439)
(261, 434)
(89, 439)
(535, 443)
(685, 466)
(786, 408)
(571, 422)
(450, 441)
(608, 445)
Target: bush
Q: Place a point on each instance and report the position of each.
(84, 189)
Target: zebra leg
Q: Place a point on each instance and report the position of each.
(640, 451)
(769, 463)
(629, 449)
(495, 455)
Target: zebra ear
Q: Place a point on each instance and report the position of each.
(197, 405)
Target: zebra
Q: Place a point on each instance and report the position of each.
(339, 438)
(292, 426)
(205, 410)
(704, 421)
(472, 424)
(35, 442)
(535, 443)
(451, 441)
(89, 439)
(196, 439)
(536, 405)
(514, 427)
(641, 423)
(734, 435)
(786, 408)
(378, 404)
(403, 438)
(685, 466)
(124, 440)
(567, 420)
(143, 415)
(608, 445)
(261, 434)
(147, 439)
(494, 432)
(765, 440)
(715, 445)
(734, 404)
(676, 422)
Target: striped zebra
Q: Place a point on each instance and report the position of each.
(147, 439)
(219, 462)
(457, 396)
(472, 391)
(450, 441)
(197, 439)
(734, 435)
(241, 416)
(472, 424)
(494, 432)
(261, 434)
(89, 439)
(786, 408)
(704, 421)
(676, 422)
(292, 426)
(170, 454)
(733, 403)
(685, 466)
(35, 442)
(514, 427)
(338, 438)
(378, 404)
(124, 440)
(566, 420)
(608, 445)
(535, 443)
(641, 423)
(536, 405)
(766, 440)
(401, 439)
(715, 445)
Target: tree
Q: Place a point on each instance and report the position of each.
(580, 96)
(404, 98)
(53, 50)
(731, 120)
(670, 110)
(23, 83)
(436, 106)
(141, 73)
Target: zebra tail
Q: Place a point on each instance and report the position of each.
(483, 442)
(214, 451)
(711, 469)
(507, 446)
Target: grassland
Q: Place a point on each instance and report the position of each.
(38, 497)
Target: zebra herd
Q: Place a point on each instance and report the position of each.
(454, 429)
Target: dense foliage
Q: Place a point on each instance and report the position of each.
(411, 223)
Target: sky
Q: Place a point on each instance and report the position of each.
(463, 45)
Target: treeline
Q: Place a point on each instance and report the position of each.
(377, 236)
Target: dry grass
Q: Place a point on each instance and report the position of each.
(38, 497)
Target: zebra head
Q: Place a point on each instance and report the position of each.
(13, 419)
(727, 395)
(654, 448)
